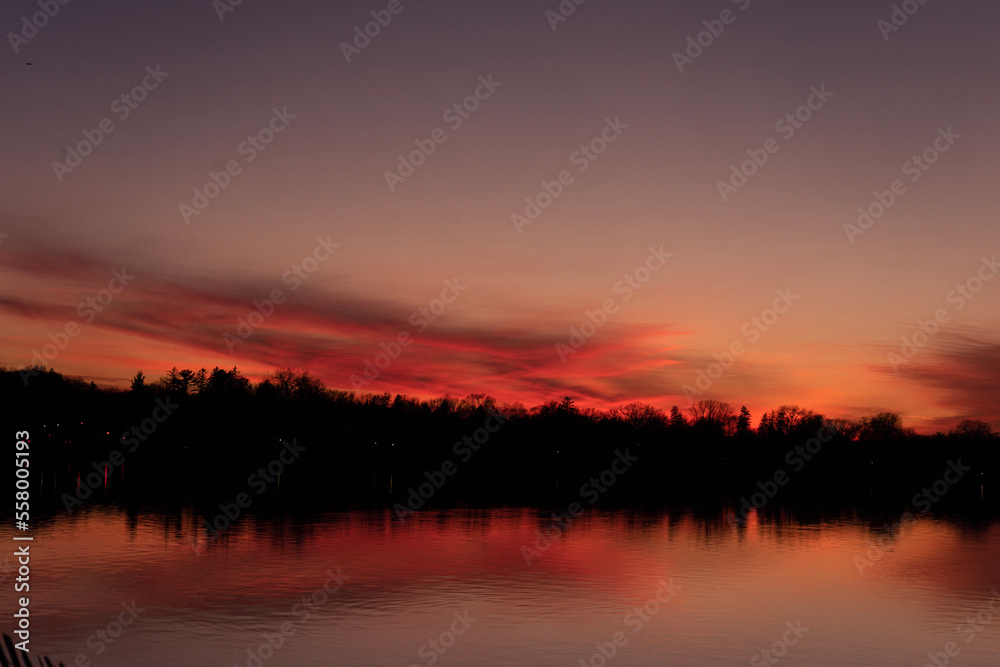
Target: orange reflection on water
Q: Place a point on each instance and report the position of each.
(408, 574)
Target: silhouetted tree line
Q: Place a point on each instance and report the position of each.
(203, 431)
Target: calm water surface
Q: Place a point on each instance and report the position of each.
(737, 589)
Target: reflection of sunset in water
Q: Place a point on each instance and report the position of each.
(738, 586)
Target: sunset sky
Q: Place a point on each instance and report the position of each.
(606, 80)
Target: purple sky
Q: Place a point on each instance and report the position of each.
(599, 101)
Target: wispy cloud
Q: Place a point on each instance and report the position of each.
(334, 334)
(963, 366)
